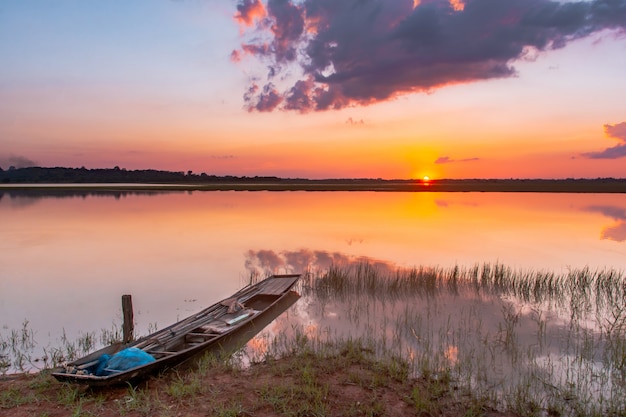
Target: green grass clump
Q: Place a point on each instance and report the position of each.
(185, 387)
(13, 397)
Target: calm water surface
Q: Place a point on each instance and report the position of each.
(65, 260)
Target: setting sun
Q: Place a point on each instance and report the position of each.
(426, 178)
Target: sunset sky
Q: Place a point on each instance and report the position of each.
(317, 88)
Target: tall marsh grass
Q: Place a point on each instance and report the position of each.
(583, 289)
(536, 342)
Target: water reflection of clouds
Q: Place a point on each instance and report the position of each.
(616, 232)
(354, 241)
(446, 203)
(293, 262)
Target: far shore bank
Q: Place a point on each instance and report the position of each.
(517, 186)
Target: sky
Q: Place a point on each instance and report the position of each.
(317, 88)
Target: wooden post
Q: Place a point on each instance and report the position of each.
(128, 327)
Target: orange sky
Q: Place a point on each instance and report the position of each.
(155, 87)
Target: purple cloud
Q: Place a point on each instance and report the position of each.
(269, 99)
(358, 52)
(448, 160)
(618, 132)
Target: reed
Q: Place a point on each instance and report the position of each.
(19, 352)
(585, 288)
(532, 341)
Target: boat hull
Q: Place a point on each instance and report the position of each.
(223, 344)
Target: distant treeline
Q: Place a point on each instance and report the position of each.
(39, 175)
(165, 180)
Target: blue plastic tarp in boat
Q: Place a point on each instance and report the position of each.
(122, 361)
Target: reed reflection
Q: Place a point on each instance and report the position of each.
(52, 192)
(488, 327)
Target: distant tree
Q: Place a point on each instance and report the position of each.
(12, 168)
(189, 173)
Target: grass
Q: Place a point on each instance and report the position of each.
(342, 379)
(530, 342)
(19, 352)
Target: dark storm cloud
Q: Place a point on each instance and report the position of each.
(448, 160)
(618, 132)
(357, 52)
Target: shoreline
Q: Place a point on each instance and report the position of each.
(517, 186)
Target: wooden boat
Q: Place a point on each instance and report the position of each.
(221, 328)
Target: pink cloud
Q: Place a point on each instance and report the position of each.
(448, 160)
(249, 11)
(618, 132)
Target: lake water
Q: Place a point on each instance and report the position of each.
(66, 258)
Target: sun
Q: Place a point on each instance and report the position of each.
(424, 177)
(425, 180)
